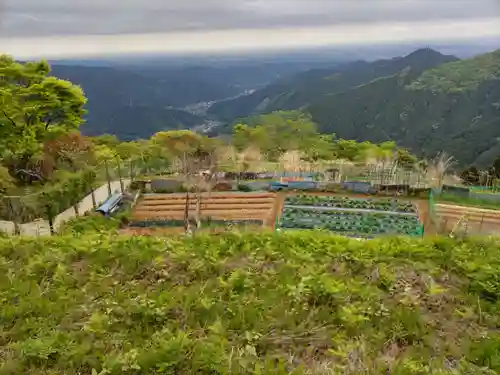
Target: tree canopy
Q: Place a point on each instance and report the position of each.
(35, 109)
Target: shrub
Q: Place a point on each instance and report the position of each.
(297, 303)
(244, 188)
(92, 223)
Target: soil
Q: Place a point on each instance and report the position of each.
(245, 206)
(268, 207)
(479, 221)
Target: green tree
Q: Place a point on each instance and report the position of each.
(106, 139)
(278, 132)
(180, 142)
(6, 181)
(34, 108)
(347, 149)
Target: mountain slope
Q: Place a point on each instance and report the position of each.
(131, 105)
(139, 121)
(137, 99)
(308, 87)
(454, 107)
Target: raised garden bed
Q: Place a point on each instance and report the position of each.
(180, 223)
(350, 222)
(388, 205)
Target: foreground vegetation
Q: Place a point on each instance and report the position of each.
(248, 304)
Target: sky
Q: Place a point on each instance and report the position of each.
(70, 28)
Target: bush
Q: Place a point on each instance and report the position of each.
(138, 185)
(6, 181)
(93, 223)
(223, 186)
(244, 188)
(301, 303)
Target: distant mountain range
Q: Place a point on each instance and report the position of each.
(426, 101)
(136, 100)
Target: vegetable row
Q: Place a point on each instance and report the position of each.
(350, 222)
(180, 223)
(388, 205)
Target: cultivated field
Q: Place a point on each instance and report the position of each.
(216, 206)
(268, 208)
(479, 221)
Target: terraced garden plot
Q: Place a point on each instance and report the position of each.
(206, 223)
(350, 222)
(167, 210)
(386, 205)
(479, 221)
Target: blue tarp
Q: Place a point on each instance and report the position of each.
(111, 204)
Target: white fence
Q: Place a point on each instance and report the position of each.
(41, 227)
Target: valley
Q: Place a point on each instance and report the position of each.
(389, 99)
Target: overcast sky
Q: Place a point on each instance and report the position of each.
(71, 27)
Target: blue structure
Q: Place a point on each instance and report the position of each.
(111, 205)
(358, 187)
(291, 185)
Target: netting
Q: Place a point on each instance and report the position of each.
(432, 208)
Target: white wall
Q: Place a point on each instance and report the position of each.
(41, 227)
(7, 227)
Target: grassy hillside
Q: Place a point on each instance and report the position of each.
(253, 304)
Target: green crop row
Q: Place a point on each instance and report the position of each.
(270, 304)
(352, 222)
(180, 223)
(392, 205)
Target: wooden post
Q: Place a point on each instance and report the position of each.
(108, 177)
(50, 218)
(120, 175)
(131, 171)
(92, 194)
(51, 225)
(481, 224)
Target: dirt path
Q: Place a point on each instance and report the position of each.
(424, 217)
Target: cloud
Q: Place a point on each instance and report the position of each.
(69, 17)
(250, 39)
(77, 26)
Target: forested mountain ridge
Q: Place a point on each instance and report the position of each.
(306, 88)
(454, 107)
(461, 75)
(136, 100)
(133, 105)
(425, 101)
